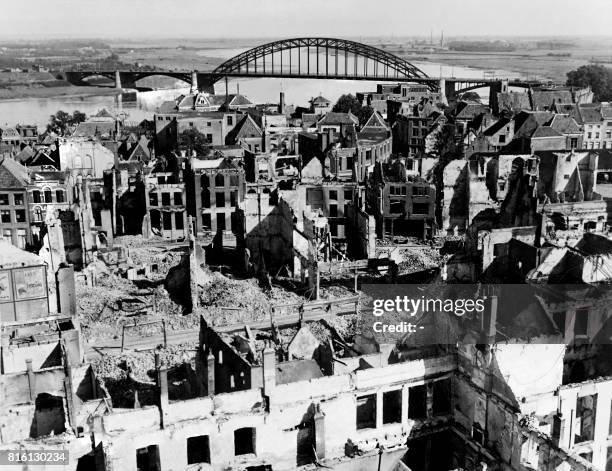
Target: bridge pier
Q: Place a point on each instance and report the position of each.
(448, 92)
(118, 79)
(500, 86)
(193, 89)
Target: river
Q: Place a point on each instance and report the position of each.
(259, 90)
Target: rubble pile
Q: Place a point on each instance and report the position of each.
(418, 259)
(231, 301)
(112, 301)
(123, 373)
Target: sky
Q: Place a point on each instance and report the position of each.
(290, 18)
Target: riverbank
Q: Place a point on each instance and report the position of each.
(67, 91)
(531, 65)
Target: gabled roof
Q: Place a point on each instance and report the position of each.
(238, 100)
(13, 174)
(42, 157)
(185, 101)
(320, 100)
(564, 124)
(375, 121)
(526, 122)
(141, 149)
(332, 118)
(103, 113)
(245, 128)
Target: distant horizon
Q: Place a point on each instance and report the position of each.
(116, 39)
(256, 19)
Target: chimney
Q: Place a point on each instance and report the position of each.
(210, 373)
(269, 370)
(281, 103)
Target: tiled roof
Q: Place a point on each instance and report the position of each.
(338, 118)
(544, 99)
(526, 122)
(564, 124)
(93, 129)
(495, 127)
(545, 131)
(186, 101)
(309, 118)
(589, 114)
(239, 100)
(16, 170)
(320, 100)
(513, 101)
(167, 107)
(466, 110)
(246, 127)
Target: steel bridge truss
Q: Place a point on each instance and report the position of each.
(325, 58)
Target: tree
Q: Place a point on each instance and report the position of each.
(61, 122)
(191, 140)
(471, 96)
(348, 103)
(598, 77)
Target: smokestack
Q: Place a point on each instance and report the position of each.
(281, 103)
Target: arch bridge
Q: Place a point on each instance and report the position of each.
(318, 58)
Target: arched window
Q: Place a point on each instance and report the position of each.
(36, 196)
(204, 181)
(219, 180)
(78, 162)
(59, 196)
(38, 214)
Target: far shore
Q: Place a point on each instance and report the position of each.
(69, 91)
